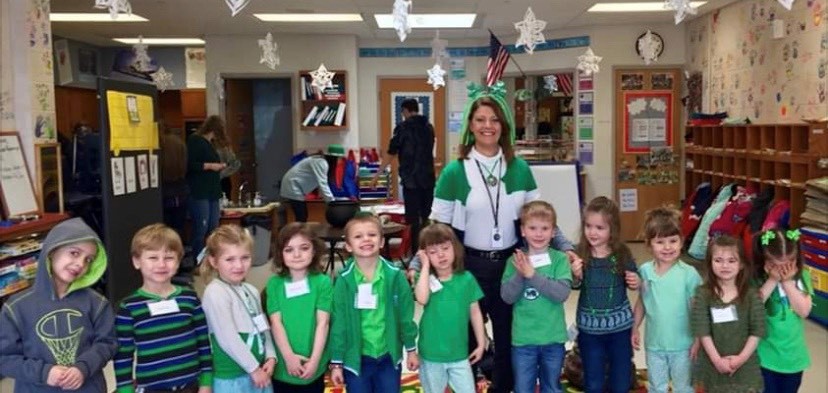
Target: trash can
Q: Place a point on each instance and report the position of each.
(259, 226)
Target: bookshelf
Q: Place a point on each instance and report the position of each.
(783, 156)
(323, 109)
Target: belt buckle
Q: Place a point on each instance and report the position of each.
(493, 254)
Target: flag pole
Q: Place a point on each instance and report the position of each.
(523, 74)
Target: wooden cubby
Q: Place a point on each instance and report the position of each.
(320, 109)
(782, 156)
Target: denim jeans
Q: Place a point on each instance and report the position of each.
(532, 361)
(781, 382)
(436, 375)
(377, 375)
(606, 358)
(242, 384)
(204, 214)
(666, 366)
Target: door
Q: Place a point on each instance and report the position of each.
(273, 129)
(433, 104)
(238, 117)
(648, 132)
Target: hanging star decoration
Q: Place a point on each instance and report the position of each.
(270, 57)
(219, 82)
(531, 31)
(115, 7)
(588, 63)
(322, 78)
(648, 47)
(435, 76)
(788, 4)
(550, 83)
(438, 49)
(162, 79)
(681, 7)
(142, 60)
(236, 5)
(401, 11)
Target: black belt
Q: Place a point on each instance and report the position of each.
(492, 255)
(192, 386)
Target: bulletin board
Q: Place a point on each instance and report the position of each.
(15, 183)
(131, 121)
(648, 121)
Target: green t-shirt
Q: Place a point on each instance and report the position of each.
(444, 326)
(783, 349)
(666, 301)
(536, 319)
(298, 314)
(373, 320)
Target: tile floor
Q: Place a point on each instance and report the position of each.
(815, 379)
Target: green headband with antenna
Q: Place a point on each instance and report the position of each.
(496, 93)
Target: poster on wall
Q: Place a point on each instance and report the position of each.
(585, 128)
(585, 103)
(647, 121)
(118, 185)
(425, 99)
(196, 64)
(64, 62)
(584, 82)
(585, 152)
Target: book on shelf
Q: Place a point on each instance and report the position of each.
(336, 92)
(325, 115)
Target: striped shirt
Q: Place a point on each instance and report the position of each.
(168, 349)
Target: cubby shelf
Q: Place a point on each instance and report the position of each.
(782, 156)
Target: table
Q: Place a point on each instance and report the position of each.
(331, 236)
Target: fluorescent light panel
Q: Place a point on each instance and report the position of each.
(429, 21)
(309, 17)
(93, 17)
(636, 7)
(162, 41)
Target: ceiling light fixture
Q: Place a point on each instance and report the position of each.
(637, 7)
(94, 17)
(309, 17)
(429, 21)
(161, 41)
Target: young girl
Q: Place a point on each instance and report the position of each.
(604, 317)
(243, 352)
(449, 297)
(299, 298)
(786, 290)
(728, 318)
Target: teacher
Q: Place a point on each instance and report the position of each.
(203, 168)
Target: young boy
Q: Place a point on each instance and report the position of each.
(59, 335)
(538, 284)
(162, 331)
(667, 286)
(373, 315)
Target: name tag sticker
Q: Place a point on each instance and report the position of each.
(163, 307)
(366, 300)
(261, 323)
(540, 260)
(434, 284)
(298, 288)
(724, 314)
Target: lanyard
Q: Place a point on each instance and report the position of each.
(494, 205)
(252, 312)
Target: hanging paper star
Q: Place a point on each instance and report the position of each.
(142, 60)
(681, 7)
(588, 63)
(531, 31)
(236, 5)
(550, 83)
(162, 79)
(788, 4)
(438, 48)
(648, 47)
(269, 49)
(219, 82)
(401, 23)
(115, 7)
(435, 76)
(322, 78)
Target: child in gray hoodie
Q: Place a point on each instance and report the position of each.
(59, 334)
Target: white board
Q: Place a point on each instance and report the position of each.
(15, 183)
(558, 185)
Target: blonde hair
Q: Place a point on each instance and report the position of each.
(360, 218)
(438, 233)
(155, 237)
(541, 210)
(225, 235)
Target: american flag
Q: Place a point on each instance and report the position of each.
(498, 58)
(565, 84)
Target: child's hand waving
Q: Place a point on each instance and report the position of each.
(523, 265)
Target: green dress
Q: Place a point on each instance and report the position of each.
(729, 339)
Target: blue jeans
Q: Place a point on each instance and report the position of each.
(204, 214)
(242, 384)
(781, 382)
(606, 358)
(436, 375)
(377, 375)
(666, 366)
(532, 361)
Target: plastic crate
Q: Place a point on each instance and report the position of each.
(819, 311)
(819, 277)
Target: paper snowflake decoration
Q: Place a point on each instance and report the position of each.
(435, 76)
(588, 63)
(322, 78)
(219, 83)
(400, 13)
(550, 83)
(162, 79)
(270, 57)
(788, 4)
(142, 60)
(531, 31)
(115, 7)
(438, 48)
(681, 7)
(236, 5)
(648, 47)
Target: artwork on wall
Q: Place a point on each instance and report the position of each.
(632, 81)
(425, 99)
(648, 121)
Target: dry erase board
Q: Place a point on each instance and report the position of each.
(15, 183)
(558, 185)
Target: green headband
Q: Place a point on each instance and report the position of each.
(496, 93)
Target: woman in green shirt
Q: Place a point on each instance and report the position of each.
(203, 168)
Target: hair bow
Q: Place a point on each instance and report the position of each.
(792, 234)
(767, 237)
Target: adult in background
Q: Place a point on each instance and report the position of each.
(307, 175)
(203, 168)
(174, 179)
(413, 144)
(480, 195)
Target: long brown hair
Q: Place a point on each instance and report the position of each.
(711, 282)
(214, 124)
(779, 246)
(438, 233)
(505, 140)
(609, 211)
(285, 235)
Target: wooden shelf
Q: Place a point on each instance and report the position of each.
(331, 104)
(27, 228)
